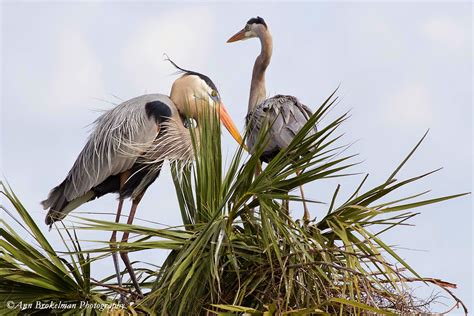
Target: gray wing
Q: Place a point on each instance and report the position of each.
(108, 150)
(287, 116)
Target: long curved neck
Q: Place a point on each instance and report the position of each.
(257, 88)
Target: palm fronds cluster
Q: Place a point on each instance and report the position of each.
(239, 249)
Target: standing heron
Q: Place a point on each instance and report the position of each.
(128, 146)
(286, 113)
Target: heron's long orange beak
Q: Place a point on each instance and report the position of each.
(229, 124)
(240, 35)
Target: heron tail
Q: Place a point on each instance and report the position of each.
(59, 206)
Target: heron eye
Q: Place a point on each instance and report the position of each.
(190, 123)
(214, 93)
(247, 27)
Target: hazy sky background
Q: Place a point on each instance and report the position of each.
(402, 67)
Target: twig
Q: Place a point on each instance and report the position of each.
(458, 301)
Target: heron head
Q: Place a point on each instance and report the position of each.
(253, 28)
(193, 92)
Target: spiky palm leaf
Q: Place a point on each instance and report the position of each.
(32, 273)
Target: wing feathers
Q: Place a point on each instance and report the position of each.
(108, 151)
(287, 116)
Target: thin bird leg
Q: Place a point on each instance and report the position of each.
(113, 245)
(248, 216)
(124, 254)
(258, 171)
(306, 211)
(285, 204)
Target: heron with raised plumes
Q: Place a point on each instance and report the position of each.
(127, 148)
(285, 113)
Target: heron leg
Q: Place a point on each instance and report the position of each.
(250, 213)
(285, 204)
(306, 211)
(124, 254)
(113, 245)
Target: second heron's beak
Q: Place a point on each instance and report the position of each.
(229, 124)
(240, 35)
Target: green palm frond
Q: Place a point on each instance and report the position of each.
(247, 251)
(31, 273)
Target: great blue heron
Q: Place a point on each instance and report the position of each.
(286, 113)
(128, 146)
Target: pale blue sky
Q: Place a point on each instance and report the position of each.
(403, 68)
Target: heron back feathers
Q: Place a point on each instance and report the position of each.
(286, 114)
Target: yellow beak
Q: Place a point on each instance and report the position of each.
(229, 124)
(240, 35)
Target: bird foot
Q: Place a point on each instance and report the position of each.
(139, 295)
(306, 216)
(123, 299)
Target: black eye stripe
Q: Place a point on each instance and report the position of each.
(205, 78)
(257, 20)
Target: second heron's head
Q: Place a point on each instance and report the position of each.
(193, 92)
(255, 27)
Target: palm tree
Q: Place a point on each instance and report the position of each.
(239, 250)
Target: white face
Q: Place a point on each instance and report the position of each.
(190, 93)
(252, 30)
(202, 92)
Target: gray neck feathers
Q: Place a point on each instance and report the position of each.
(257, 88)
